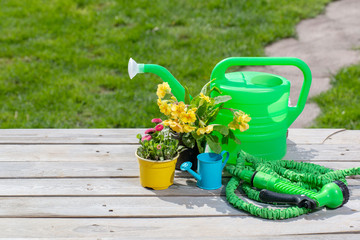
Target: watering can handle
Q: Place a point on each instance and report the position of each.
(226, 159)
(294, 112)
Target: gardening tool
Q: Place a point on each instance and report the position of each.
(176, 88)
(306, 185)
(263, 96)
(331, 195)
(210, 168)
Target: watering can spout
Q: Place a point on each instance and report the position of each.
(186, 166)
(134, 68)
(176, 88)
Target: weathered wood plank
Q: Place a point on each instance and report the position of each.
(105, 169)
(123, 135)
(162, 206)
(88, 136)
(61, 153)
(320, 236)
(125, 152)
(66, 169)
(156, 206)
(329, 227)
(350, 137)
(110, 187)
(94, 187)
(309, 136)
(77, 199)
(322, 152)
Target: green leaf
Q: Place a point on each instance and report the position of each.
(225, 140)
(138, 136)
(201, 123)
(223, 130)
(216, 89)
(187, 96)
(237, 141)
(206, 88)
(188, 140)
(233, 137)
(214, 114)
(222, 99)
(181, 148)
(195, 102)
(214, 143)
(195, 136)
(202, 109)
(199, 145)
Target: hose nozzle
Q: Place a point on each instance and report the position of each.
(332, 195)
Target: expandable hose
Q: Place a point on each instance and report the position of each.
(305, 175)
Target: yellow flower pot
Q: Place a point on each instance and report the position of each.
(157, 175)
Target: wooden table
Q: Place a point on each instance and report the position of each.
(83, 183)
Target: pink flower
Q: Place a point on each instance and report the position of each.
(158, 146)
(156, 120)
(159, 127)
(150, 130)
(146, 137)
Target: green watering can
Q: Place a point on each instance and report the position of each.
(263, 96)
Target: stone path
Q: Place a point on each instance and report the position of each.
(326, 43)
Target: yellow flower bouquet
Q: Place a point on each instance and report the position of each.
(193, 119)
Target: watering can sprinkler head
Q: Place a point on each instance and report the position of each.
(134, 68)
(186, 166)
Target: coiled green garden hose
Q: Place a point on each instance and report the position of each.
(299, 177)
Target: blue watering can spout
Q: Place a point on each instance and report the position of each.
(186, 166)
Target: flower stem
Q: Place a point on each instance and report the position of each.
(230, 109)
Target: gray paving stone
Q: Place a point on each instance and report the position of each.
(326, 43)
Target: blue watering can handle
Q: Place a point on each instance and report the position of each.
(294, 112)
(226, 159)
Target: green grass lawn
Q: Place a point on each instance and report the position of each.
(340, 105)
(63, 64)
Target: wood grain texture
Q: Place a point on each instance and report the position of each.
(344, 137)
(144, 207)
(312, 226)
(99, 187)
(322, 152)
(68, 153)
(126, 152)
(104, 169)
(119, 136)
(108, 187)
(83, 183)
(310, 136)
(68, 136)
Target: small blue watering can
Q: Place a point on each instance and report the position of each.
(210, 166)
